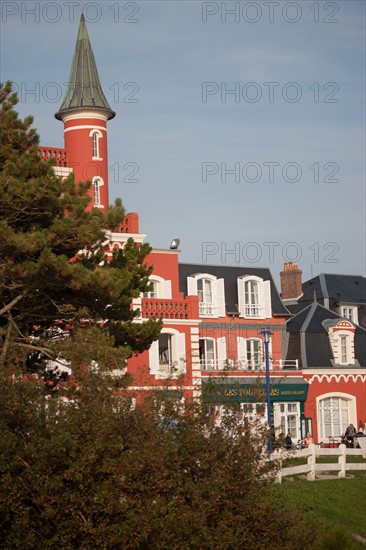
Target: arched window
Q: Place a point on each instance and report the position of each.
(96, 189)
(153, 292)
(251, 296)
(334, 416)
(205, 296)
(95, 145)
(210, 292)
(96, 135)
(254, 297)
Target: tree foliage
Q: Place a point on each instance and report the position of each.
(92, 472)
(44, 225)
(79, 466)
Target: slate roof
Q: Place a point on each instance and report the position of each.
(331, 290)
(343, 288)
(308, 339)
(84, 88)
(230, 276)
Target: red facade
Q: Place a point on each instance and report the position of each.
(213, 317)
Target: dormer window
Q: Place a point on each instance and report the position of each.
(345, 355)
(350, 313)
(210, 292)
(341, 336)
(96, 135)
(251, 291)
(205, 297)
(254, 298)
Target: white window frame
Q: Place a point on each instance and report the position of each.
(252, 413)
(206, 306)
(287, 416)
(350, 313)
(176, 364)
(244, 362)
(249, 310)
(220, 359)
(337, 339)
(206, 362)
(97, 183)
(96, 191)
(254, 357)
(162, 288)
(96, 135)
(337, 400)
(215, 308)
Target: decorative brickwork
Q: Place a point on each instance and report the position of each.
(169, 309)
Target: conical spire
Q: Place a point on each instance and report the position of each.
(84, 89)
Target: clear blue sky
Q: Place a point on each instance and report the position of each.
(294, 130)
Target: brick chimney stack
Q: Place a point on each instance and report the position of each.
(291, 281)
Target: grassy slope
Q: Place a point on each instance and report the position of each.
(340, 502)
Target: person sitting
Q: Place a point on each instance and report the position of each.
(280, 441)
(308, 439)
(350, 435)
(288, 441)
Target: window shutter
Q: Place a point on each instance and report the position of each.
(241, 297)
(167, 289)
(181, 352)
(242, 352)
(221, 352)
(154, 357)
(220, 297)
(191, 286)
(266, 303)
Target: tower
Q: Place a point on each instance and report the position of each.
(85, 112)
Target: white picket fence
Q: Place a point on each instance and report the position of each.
(313, 467)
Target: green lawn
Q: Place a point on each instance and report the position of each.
(334, 503)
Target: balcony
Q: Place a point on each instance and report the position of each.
(170, 309)
(207, 309)
(46, 153)
(231, 365)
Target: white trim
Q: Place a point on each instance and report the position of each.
(352, 411)
(84, 114)
(346, 377)
(176, 321)
(84, 127)
(62, 171)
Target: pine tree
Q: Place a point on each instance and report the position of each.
(45, 283)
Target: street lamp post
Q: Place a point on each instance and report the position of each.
(266, 334)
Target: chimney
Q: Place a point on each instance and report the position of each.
(291, 282)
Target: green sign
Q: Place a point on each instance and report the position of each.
(253, 393)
